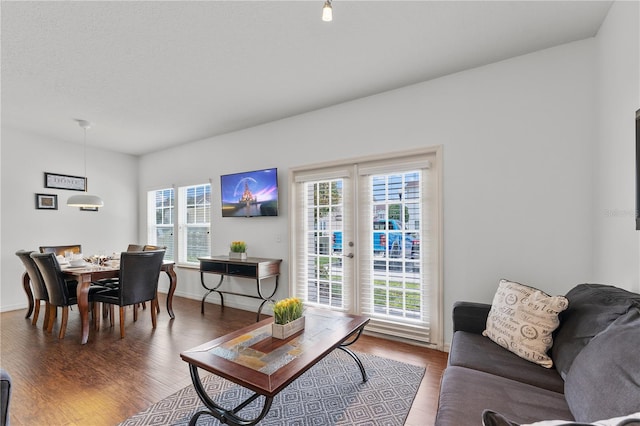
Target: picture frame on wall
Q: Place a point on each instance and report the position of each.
(46, 202)
(58, 181)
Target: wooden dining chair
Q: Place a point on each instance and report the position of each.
(37, 284)
(138, 282)
(61, 291)
(60, 250)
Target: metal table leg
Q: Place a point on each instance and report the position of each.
(224, 416)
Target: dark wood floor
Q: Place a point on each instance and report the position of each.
(60, 382)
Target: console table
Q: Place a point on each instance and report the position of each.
(256, 268)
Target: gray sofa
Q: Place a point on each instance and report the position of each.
(5, 396)
(596, 372)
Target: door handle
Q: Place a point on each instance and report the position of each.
(350, 255)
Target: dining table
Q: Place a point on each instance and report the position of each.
(92, 272)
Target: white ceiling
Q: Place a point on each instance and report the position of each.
(153, 74)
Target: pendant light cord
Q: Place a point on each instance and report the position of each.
(85, 159)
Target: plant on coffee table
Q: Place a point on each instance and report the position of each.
(288, 318)
(287, 310)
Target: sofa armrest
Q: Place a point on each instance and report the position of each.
(5, 396)
(470, 316)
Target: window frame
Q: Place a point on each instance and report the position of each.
(180, 221)
(183, 225)
(376, 163)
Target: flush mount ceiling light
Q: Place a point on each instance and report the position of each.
(85, 199)
(327, 11)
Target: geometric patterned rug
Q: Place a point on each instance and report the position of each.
(330, 393)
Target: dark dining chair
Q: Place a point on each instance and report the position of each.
(60, 250)
(138, 282)
(113, 282)
(61, 291)
(37, 284)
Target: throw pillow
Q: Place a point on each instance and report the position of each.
(604, 379)
(522, 320)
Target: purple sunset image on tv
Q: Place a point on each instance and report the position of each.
(250, 194)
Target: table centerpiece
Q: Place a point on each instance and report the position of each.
(288, 318)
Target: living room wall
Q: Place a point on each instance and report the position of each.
(616, 242)
(25, 157)
(517, 138)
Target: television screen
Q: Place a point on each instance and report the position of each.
(250, 193)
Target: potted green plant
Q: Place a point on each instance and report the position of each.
(288, 318)
(238, 250)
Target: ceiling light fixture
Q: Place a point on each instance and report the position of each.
(327, 11)
(84, 199)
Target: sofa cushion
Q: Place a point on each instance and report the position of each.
(480, 353)
(604, 380)
(522, 319)
(491, 418)
(592, 307)
(465, 393)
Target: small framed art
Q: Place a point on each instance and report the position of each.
(46, 202)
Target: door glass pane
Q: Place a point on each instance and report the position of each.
(395, 241)
(324, 232)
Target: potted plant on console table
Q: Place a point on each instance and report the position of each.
(287, 318)
(238, 250)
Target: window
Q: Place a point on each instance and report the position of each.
(368, 241)
(183, 223)
(194, 222)
(161, 220)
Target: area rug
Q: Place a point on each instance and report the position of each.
(330, 393)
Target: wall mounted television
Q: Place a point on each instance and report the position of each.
(250, 194)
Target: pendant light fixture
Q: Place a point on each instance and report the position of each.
(84, 199)
(327, 11)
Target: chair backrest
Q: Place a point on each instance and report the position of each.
(53, 279)
(135, 247)
(139, 274)
(59, 250)
(148, 247)
(37, 283)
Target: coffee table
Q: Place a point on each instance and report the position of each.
(253, 359)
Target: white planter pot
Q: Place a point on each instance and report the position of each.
(234, 255)
(282, 331)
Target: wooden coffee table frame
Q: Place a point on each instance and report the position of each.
(345, 333)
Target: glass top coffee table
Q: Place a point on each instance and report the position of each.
(251, 358)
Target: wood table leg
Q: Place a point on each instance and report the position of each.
(82, 292)
(26, 284)
(173, 281)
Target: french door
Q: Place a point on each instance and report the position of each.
(367, 241)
